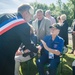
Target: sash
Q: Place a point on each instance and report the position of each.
(9, 24)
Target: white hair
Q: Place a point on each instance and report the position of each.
(25, 7)
(39, 10)
(48, 11)
(63, 17)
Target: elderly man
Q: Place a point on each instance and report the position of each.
(52, 46)
(14, 30)
(51, 18)
(41, 24)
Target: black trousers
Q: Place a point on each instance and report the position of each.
(7, 65)
(73, 70)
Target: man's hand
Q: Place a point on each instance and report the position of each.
(44, 44)
(18, 52)
(26, 51)
(39, 48)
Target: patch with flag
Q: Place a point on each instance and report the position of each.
(9, 24)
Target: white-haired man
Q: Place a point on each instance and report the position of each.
(41, 24)
(51, 18)
(52, 46)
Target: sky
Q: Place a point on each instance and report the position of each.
(12, 5)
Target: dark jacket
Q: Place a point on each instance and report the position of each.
(11, 40)
(64, 32)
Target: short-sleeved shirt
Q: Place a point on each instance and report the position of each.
(57, 44)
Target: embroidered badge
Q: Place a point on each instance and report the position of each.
(56, 44)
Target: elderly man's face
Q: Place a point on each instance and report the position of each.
(39, 15)
(54, 31)
(47, 15)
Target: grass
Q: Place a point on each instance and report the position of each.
(30, 68)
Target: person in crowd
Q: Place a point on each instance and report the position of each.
(73, 67)
(51, 18)
(34, 16)
(33, 36)
(73, 64)
(73, 51)
(52, 46)
(61, 23)
(41, 24)
(64, 29)
(73, 36)
(59, 20)
(14, 30)
(19, 56)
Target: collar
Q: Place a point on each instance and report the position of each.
(19, 15)
(56, 38)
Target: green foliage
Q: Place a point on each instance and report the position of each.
(52, 7)
(61, 8)
(40, 6)
(73, 4)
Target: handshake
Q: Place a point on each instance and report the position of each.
(26, 52)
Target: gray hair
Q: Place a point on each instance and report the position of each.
(39, 10)
(48, 11)
(24, 7)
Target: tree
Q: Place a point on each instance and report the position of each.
(60, 8)
(73, 2)
(39, 6)
(59, 3)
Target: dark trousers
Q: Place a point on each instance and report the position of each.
(44, 60)
(6, 66)
(73, 70)
(73, 40)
